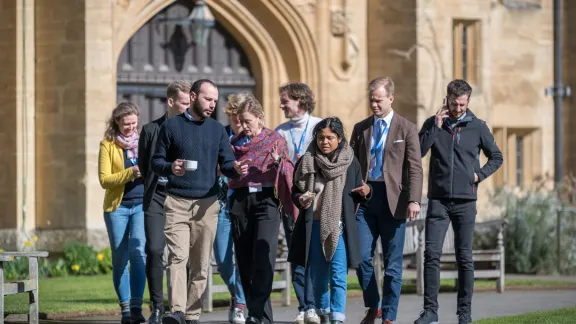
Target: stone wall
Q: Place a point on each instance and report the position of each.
(570, 80)
(394, 51)
(8, 116)
(61, 114)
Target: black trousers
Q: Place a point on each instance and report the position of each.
(154, 220)
(256, 221)
(462, 214)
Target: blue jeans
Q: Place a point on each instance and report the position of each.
(301, 279)
(224, 255)
(125, 228)
(375, 220)
(334, 271)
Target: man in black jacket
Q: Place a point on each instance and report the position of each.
(178, 100)
(455, 137)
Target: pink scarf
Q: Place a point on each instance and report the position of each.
(130, 144)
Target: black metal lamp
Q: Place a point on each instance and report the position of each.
(200, 21)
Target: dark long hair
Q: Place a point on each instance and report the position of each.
(336, 126)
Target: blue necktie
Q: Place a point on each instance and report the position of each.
(377, 171)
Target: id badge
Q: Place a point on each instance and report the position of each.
(253, 189)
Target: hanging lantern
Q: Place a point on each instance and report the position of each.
(201, 22)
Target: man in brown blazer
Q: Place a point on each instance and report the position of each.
(388, 148)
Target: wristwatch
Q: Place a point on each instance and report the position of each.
(413, 201)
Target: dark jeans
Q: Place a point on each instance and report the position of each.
(375, 220)
(301, 279)
(154, 220)
(256, 220)
(462, 214)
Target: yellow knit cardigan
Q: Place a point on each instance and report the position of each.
(112, 174)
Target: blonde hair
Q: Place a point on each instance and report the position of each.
(176, 87)
(123, 109)
(252, 106)
(385, 82)
(236, 100)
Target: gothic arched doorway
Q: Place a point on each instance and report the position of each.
(162, 51)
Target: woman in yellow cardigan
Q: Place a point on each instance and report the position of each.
(119, 175)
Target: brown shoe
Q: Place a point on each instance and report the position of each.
(371, 315)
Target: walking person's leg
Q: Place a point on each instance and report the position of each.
(368, 232)
(463, 217)
(338, 282)
(177, 231)
(136, 247)
(437, 222)
(319, 271)
(117, 228)
(392, 234)
(154, 222)
(203, 225)
(297, 272)
(242, 233)
(263, 207)
(224, 254)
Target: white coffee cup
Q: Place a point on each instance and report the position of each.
(190, 165)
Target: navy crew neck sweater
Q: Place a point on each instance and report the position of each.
(204, 141)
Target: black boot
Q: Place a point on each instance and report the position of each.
(136, 316)
(156, 316)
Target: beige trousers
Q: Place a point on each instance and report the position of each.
(190, 231)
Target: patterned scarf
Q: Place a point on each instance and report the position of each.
(130, 144)
(334, 171)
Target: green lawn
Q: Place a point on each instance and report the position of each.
(560, 316)
(96, 294)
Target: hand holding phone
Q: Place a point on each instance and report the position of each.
(441, 114)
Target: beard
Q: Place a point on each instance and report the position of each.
(197, 109)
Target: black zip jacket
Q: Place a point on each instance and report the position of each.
(455, 156)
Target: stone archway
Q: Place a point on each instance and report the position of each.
(255, 26)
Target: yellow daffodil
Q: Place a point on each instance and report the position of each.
(28, 243)
(75, 268)
(100, 256)
(35, 238)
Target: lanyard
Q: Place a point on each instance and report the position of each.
(380, 143)
(298, 148)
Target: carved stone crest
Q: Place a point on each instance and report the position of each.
(344, 42)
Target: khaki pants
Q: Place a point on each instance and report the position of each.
(190, 231)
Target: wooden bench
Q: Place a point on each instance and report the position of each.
(492, 260)
(29, 286)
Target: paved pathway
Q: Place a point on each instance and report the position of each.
(485, 304)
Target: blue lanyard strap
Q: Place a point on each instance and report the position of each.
(298, 148)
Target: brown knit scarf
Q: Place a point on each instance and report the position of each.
(334, 171)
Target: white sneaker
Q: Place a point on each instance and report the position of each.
(239, 317)
(310, 317)
(299, 319)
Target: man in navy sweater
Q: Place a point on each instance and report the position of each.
(191, 205)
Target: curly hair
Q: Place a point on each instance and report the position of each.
(300, 91)
(123, 109)
(335, 125)
(458, 88)
(235, 101)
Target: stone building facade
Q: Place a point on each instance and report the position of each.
(60, 79)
